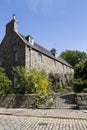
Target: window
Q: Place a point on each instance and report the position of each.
(39, 58)
(0, 61)
(63, 68)
(54, 63)
(15, 80)
(16, 56)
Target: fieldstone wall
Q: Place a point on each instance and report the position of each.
(47, 64)
(10, 45)
(17, 101)
(59, 101)
(81, 100)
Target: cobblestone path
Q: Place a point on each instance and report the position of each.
(42, 119)
(37, 123)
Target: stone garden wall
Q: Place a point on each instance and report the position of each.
(59, 101)
(17, 101)
(81, 100)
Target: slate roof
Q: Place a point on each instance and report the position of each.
(64, 61)
(44, 51)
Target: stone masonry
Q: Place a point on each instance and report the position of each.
(59, 101)
(48, 64)
(81, 99)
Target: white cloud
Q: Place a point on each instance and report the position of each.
(33, 5)
(9, 2)
(39, 5)
(47, 5)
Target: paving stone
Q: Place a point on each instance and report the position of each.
(34, 119)
(37, 123)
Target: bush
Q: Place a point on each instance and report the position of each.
(20, 79)
(39, 84)
(55, 79)
(32, 81)
(5, 83)
(85, 90)
(60, 81)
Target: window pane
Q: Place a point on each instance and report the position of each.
(15, 80)
(16, 56)
(0, 61)
(39, 58)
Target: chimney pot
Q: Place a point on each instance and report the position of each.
(14, 16)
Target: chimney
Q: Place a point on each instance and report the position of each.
(12, 25)
(53, 51)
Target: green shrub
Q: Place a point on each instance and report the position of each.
(33, 81)
(79, 84)
(85, 90)
(39, 84)
(5, 83)
(21, 79)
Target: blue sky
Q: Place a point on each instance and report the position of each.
(60, 24)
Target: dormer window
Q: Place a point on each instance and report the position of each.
(0, 61)
(30, 39)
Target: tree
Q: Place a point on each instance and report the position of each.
(73, 57)
(80, 76)
(81, 69)
(5, 83)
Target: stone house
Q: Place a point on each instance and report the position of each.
(17, 49)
